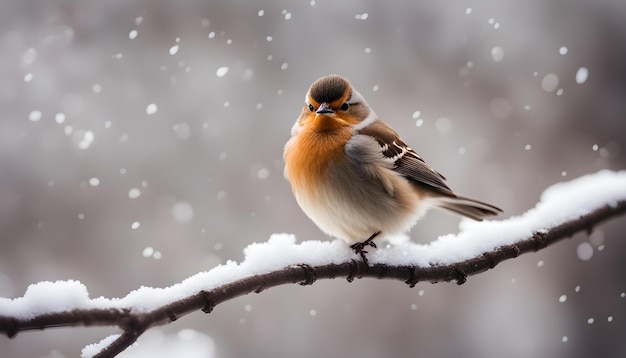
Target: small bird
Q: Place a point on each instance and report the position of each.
(353, 175)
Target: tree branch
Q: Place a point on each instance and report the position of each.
(134, 322)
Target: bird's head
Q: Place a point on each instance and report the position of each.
(331, 102)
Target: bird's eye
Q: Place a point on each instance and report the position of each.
(345, 106)
(311, 108)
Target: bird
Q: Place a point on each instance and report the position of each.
(353, 175)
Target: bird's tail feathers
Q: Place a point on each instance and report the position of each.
(467, 207)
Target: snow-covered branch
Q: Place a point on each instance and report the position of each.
(563, 210)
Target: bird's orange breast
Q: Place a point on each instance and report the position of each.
(312, 150)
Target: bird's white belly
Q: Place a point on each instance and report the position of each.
(354, 212)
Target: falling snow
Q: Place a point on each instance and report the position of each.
(444, 125)
(497, 53)
(263, 173)
(550, 82)
(222, 71)
(83, 138)
(581, 75)
(147, 252)
(134, 193)
(151, 108)
(59, 118)
(35, 116)
(584, 251)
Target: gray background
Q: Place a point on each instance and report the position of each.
(215, 145)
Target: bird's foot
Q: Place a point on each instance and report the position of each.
(359, 247)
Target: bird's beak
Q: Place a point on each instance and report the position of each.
(324, 108)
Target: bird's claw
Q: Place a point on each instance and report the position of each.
(359, 247)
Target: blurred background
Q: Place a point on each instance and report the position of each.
(141, 142)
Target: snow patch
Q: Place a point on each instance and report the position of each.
(93, 349)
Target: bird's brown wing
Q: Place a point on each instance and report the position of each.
(406, 161)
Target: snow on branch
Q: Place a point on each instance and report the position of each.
(564, 209)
